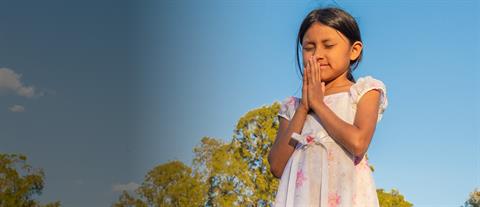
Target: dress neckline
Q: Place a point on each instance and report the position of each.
(336, 93)
(342, 92)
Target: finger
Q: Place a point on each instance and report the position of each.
(304, 88)
(319, 74)
(304, 76)
(310, 69)
(312, 62)
(313, 70)
(305, 71)
(316, 70)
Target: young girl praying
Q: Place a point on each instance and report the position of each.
(319, 151)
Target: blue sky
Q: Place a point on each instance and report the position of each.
(100, 92)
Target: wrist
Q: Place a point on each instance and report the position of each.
(318, 105)
(302, 109)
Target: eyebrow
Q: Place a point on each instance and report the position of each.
(323, 41)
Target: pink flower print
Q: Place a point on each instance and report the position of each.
(333, 199)
(354, 199)
(300, 178)
(291, 101)
(366, 166)
(375, 84)
(330, 155)
(309, 139)
(330, 158)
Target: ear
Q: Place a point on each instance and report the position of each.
(355, 50)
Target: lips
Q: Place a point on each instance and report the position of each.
(323, 66)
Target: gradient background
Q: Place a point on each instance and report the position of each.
(116, 87)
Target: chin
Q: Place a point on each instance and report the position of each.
(324, 75)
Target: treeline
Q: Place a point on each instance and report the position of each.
(234, 173)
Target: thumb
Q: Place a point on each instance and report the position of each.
(323, 87)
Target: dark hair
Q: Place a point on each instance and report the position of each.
(337, 19)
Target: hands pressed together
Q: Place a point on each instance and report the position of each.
(313, 87)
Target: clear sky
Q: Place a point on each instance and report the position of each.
(97, 93)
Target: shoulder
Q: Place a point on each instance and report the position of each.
(365, 84)
(288, 106)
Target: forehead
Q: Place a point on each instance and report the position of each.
(321, 33)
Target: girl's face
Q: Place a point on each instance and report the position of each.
(331, 50)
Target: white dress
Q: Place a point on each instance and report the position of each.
(321, 172)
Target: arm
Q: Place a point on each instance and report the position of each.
(355, 138)
(284, 146)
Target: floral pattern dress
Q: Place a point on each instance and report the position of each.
(320, 171)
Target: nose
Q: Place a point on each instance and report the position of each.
(318, 58)
(318, 55)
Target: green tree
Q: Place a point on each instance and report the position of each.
(20, 182)
(253, 138)
(474, 199)
(215, 166)
(170, 184)
(238, 173)
(224, 173)
(392, 199)
(127, 200)
(234, 173)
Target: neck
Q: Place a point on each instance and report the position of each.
(339, 81)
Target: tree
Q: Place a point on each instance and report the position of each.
(238, 172)
(170, 184)
(19, 182)
(392, 199)
(253, 138)
(474, 200)
(126, 200)
(235, 173)
(216, 166)
(225, 174)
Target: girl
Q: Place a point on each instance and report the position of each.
(319, 151)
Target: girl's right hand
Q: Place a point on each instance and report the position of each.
(304, 101)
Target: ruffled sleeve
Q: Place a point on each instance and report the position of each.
(365, 84)
(287, 107)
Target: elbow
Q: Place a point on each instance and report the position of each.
(359, 147)
(273, 167)
(275, 172)
(359, 152)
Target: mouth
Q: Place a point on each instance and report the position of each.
(324, 66)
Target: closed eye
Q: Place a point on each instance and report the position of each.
(329, 46)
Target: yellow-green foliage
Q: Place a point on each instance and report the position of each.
(392, 199)
(19, 182)
(474, 199)
(234, 173)
(172, 184)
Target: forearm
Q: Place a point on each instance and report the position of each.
(284, 146)
(348, 135)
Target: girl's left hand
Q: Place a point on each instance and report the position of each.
(316, 87)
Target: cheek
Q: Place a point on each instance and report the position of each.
(304, 62)
(340, 59)
(304, 59)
